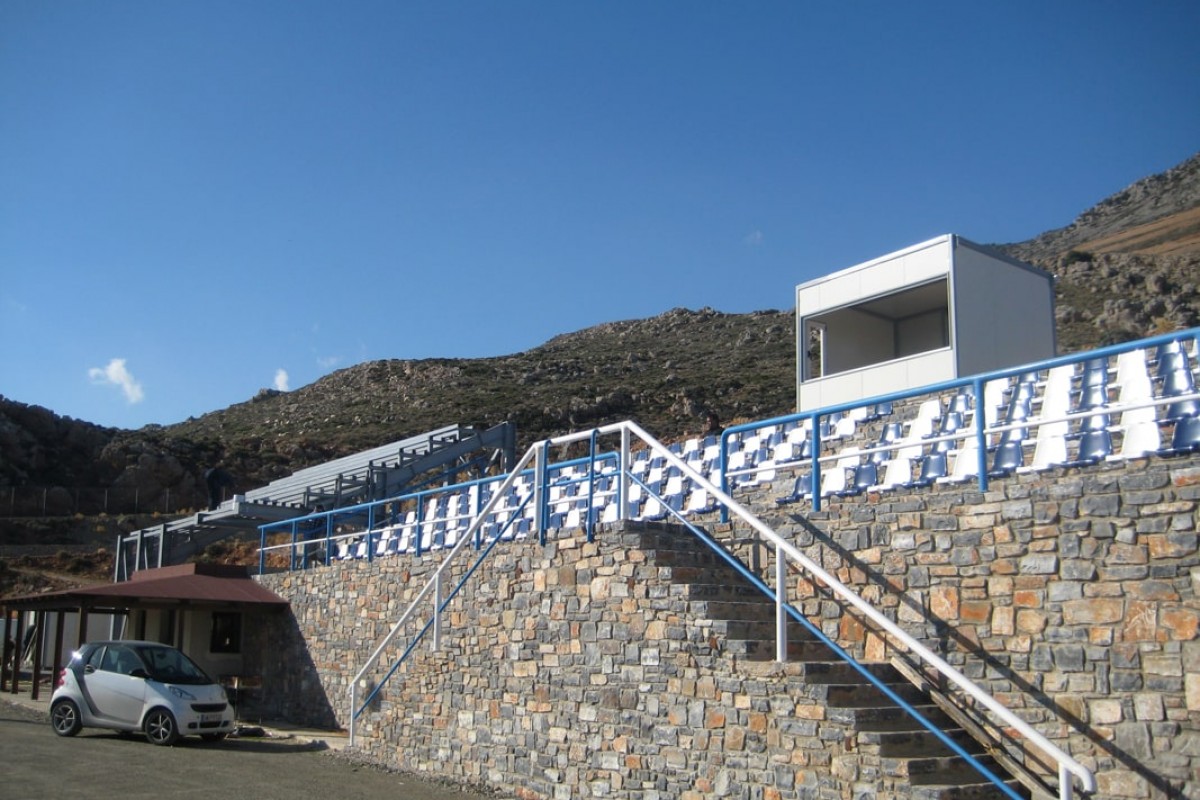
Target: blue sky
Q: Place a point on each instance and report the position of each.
(199, 200)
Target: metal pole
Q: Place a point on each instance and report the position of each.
(16, 660)
(4, 650)
(437, 614)
(781, 615)
(39, 633)
(59, 624)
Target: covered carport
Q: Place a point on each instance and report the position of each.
(176, 598)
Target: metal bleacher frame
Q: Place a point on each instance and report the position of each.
(373, 474)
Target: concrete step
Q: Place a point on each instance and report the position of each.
(888, 717)
(764, 629)
(741, 610)
(715, 586)
(764, 649)
(971, 790)
(838, 671)
(696, 556)
(936, 770)
(911, 743)
(862, 695)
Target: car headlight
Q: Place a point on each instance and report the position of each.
(182, 694)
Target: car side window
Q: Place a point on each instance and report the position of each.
(121, 660)
(94, 659)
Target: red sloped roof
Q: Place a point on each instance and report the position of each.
(206, 584)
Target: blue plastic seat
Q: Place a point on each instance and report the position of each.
(951, 423)
(1094, 446)
(866, 475)
(1186, 438)
(1009, 457)
(933, 466)
(801, 489)
(1178, 383)
(961, 402)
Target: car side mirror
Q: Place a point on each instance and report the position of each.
(139, 673)
(89, 669)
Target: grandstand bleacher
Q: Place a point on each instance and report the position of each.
(1121, 402)
(436, 456)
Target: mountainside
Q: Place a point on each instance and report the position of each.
(1126, 268)
(1158, 215)
(1129, 266)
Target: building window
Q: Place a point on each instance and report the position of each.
(226, 632)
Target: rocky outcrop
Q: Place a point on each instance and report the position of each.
(1159, 196)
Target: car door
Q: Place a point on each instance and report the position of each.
(117, 694)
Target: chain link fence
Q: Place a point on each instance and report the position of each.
(59, 501)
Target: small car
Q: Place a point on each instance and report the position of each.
(139, 686)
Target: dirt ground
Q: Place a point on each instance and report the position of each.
(38, 764)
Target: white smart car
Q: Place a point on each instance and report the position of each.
(139, 686)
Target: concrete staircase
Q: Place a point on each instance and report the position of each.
(733, 619)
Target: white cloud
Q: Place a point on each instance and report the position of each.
(328, 362)
(754, 238)
(281, 380)
(116, 374)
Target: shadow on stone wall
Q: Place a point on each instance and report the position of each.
(291, 688)
(949, 639)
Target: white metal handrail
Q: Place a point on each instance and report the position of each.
(1067, 766)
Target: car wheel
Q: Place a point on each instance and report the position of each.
(212, 737)
(161, 727)
(65, 718)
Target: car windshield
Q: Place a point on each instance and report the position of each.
(168, 665)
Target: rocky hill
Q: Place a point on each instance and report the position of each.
(1129, 266)
(1126, 268)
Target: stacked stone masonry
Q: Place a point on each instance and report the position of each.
(573, 670)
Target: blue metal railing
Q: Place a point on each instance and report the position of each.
(786, 554)
(842, 654)
(364, 516)
(976, 383)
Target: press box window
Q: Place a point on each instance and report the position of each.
(226, 632)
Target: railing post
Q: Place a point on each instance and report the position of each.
(437, 610)
(591, 512)
(623, 471)
(781, 616)
(541, 497)
(1066, 786)
(262, 554)
(981, 424)
(353, 707)
(420, 522)
(328, 538)
(303, 555)
(815, 473)
(722, 463)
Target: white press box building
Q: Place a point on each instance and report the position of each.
(933, 312)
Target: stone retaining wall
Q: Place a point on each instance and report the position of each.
(1071, 594)
(566, 670)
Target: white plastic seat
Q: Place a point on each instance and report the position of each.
(844, 428)
(897, 472)
(1051, 447)
(966, 462)
(1056, 397)
(699, 502)
(922, 424)
(833, 476)
(1141, 435)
